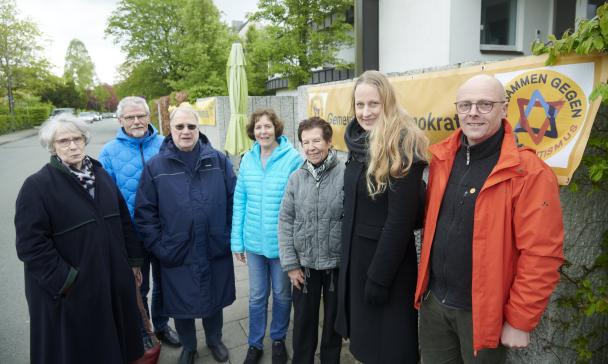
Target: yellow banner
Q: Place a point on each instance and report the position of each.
(206, 110)
(549, 107)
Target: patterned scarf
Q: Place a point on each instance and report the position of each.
(85, 176)
(317, 172)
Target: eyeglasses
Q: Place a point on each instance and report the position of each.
(132, 118)
(182, 126)
(483, 106)
(66, 142)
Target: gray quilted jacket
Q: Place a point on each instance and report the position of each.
(310, 219)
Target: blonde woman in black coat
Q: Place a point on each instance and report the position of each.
(382, 203)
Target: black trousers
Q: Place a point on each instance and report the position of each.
(306, 317)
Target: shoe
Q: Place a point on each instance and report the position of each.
(168, 336)
(219, 352)
(279, 352)
(187, 357)
(253, 355)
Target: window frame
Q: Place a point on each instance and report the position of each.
(519, 32)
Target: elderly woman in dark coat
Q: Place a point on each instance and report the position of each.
(382, 205)
(80, 252)
(183, 210)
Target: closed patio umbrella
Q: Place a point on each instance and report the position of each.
(237, 141)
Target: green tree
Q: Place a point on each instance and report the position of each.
(304, 34)
(203, 49)
(19, 47)
(257, 54)
(142, 79)
(78, 66)
(62, 93)
(148, 32)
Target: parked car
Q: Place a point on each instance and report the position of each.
(87, 116)
(97, 116)
(108, 115)
(61, 110)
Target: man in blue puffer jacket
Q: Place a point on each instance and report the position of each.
(124, 158)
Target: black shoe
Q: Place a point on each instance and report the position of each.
(168, 336)
(279, 352)
(187, 357)
(219, 352)
(253, 355)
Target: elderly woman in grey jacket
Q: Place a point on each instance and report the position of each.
(309, 241)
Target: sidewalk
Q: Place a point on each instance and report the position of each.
(236, 327)
(18, 135)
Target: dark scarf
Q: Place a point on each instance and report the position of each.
(356, 141)
(85, 176)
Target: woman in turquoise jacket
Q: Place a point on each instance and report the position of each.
(263, 175)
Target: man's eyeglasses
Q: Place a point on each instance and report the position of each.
(65, 143)
(483, 106)
(132, 118)
(182, 126)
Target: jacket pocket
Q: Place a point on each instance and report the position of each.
(335, 237)
(368, 231)
(299, 238)
(218, 244)
(173, 249)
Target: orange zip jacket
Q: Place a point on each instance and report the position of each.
(517, 238)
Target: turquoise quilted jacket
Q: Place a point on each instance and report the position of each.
(257, 198)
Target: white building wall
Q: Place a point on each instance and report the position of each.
(465, 24)
(413, 34)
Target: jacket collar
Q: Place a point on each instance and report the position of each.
(168, 148)
(282, 149)
(508, 165)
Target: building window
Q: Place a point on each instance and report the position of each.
(499, 25)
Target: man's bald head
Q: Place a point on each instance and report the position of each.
(482, 89)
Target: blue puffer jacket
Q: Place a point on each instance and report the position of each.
(257, 198)
(124, 158)
(184, 218)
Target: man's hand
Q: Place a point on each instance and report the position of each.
(514, 338)
(241, 257)
(296, 276)
(138, 277)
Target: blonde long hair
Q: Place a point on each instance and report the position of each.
(395, 141)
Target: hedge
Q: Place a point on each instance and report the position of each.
(24, 117)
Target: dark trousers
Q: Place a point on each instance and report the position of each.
(158, 320)
(212, 326)
(306, 317)
(446, 336)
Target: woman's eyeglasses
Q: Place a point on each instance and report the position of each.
(182, 126)
(65, 143)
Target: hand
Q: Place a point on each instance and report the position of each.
(138, 277)
(296, 276)
(514, 338)
(241, 257)
(375, 294)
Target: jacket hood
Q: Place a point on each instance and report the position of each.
(152, 133)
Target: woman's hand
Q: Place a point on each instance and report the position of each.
(138, 277)
(296, 276)
(241, 257)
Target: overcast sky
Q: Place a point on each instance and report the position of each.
(63, 20)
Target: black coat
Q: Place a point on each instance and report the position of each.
(79, 284)
(378, 245)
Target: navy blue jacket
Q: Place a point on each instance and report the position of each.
(184, 219)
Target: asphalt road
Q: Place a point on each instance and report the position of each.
(18, 160)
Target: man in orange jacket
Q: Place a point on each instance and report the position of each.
(493, 236)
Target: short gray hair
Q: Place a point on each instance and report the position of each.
(186, 109)
(131, 101)
(63, 121)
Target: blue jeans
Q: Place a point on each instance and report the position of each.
(158, 320)
(264, 273)
(212, 326)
